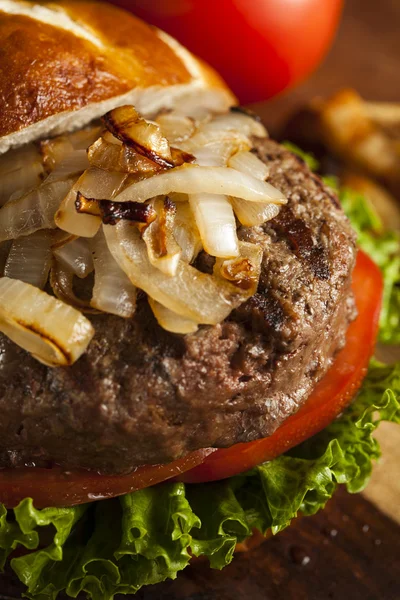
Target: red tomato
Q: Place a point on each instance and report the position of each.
(328, 399)
(55, 487)
(260, 47)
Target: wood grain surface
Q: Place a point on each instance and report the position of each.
(351, 550)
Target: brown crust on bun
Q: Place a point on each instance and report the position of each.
(57, 58)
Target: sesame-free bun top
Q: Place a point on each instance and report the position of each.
(63, 64)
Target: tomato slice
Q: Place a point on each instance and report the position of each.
(331, 395)
(57, 487)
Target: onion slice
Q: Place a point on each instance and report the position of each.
(56, 150)
(29, 259)
(170, 321)
(251, 214)
(192, 179)
(111, 212)
(62, 284)
(74, 164)
(141, 135)
(113, 292)
(54, 333)
(75, 254)
(108, 155)
(176, 128)
(216, 222)
(163, 251)
(198, 296)
(20, 171)
(186, 232)
(94, 183)
(236, 121)
(33, 211)
(244, 271)
(249, 163)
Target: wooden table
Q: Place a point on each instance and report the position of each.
(351, 550)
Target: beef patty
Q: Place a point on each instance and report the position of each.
(142, 395)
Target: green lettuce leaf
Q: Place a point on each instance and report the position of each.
(119, 545)
(384, 249)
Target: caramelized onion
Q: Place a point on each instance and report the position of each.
(236, 121)
(216, 222)
(170, 321)
(216, 142)
(244, 271)
(252, 213)
(192, 179)
(108, 155)
(163, 251)
(62, 284)
(33, 211)
(75, 254)
(202, 105)
(176, 128)
(56, 150)
(94, 183)
(217, 153)
(54, 333)
(113, 292)
(141, 135)
(249, 163)
(198, 296)
(111, 212)
(74, 164)
(29, 259)
(186, 232)
(20, 171)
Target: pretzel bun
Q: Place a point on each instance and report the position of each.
(63, 64)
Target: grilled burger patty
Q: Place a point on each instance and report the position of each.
(141, 395)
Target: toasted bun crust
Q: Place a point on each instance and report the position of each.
(63, 64)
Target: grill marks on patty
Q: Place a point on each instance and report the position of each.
(304, 243)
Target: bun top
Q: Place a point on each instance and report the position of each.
(63, 64)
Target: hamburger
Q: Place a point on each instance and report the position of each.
(185, 317)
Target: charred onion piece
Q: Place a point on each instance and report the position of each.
(62, 284)
(164, 253)
(53, 332)
(94, 183)
(244, 271)
(110, 156)
(111, 212)
(145, 137)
